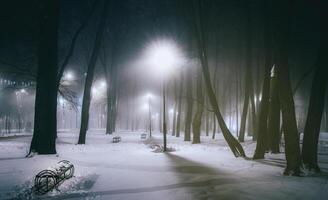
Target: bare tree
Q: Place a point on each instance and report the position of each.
(90, 73)
(45, 127)
(196, 12)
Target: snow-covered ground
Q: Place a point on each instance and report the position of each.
(133, 170)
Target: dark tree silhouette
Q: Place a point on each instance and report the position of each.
(178, 126)
(317, 103)
(196, 12)
(197, 121)
(189, 106)
(45, 127)
(274, 115)
(248, 75)
(90, 73)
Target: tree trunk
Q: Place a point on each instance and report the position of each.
(198, 25)
(292, 148)
(237, 100)
(207, 123)
(175, 107)
(253, 110)
(326, 114)
(241, 137)
(262, 128)
(316, 107)
(291, 136)
(248, 75)
(263, 117)
(214, 126)
(189, 106)
(109, 105)
(90, 73)
(45, 122)
(179, 106)
(197, 121)
(274, 115)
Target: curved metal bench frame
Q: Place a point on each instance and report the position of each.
(47, 180)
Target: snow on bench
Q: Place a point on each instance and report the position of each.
(50, 179)
(116, 139)
(143, 136)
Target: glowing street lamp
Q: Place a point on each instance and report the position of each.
(69, 76)
(165, 56)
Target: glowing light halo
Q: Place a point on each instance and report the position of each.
(149, 95)
(69, 76)
(162, 56)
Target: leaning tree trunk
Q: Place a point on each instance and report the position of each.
(90, 73)
(291, 136)
(214, 126)
(292, 148)
(196, 124)
(198, 25)
(316, 107)
(263, 117)
(261, 129)
(45, 119)
(313, 122)
(73, 44)
(241, 137)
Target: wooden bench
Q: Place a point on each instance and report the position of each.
(143, 136)
(116, 139)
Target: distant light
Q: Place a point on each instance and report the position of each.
(145, 106)
(149, 95)
(69, 76)
(94, 90)
(171, 111)
(103, 84)
(61, 101)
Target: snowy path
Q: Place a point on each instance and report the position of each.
(131, 170)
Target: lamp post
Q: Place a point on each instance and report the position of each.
(149, 112)
(165, 55)
(164, 116)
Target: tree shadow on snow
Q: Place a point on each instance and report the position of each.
(186, 172)
(275, 162)
(12, 158)
(206, 178)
